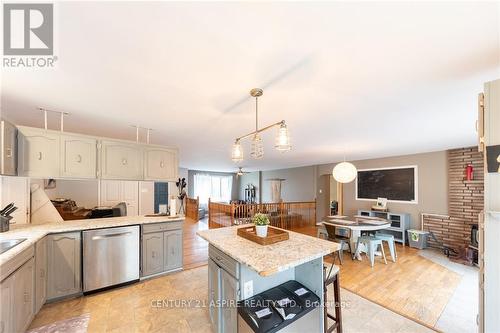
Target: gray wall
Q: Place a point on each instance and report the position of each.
(432, 184)
(312, 182)
(249, 178)
(299, 184)
(234, 191)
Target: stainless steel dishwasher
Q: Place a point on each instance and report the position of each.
(110, 257)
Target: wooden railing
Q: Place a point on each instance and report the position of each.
(192, 206)
(286, 215)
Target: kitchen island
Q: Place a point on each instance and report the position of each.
(239, 269)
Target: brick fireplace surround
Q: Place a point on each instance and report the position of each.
(466, 200)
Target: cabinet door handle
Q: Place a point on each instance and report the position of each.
(42, 273)
(124, 161)
(162, 164)
(40, 155)
(153, 254)
(78, 158)
(26, 297)
(9, 152)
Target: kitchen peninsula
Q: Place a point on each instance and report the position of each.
(239, 269)
(52, 261)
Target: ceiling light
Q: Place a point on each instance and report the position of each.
(344, 172)
(283, 139)
(237, 153)
(257, 152)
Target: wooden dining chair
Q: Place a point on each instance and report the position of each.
(331, 230)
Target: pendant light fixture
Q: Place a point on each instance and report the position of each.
(282, 143)
(344, 172)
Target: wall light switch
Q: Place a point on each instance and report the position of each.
(248, 289)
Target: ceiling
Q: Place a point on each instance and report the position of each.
(363, 79)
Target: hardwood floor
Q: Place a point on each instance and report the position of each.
(195, 249)
(413, 286)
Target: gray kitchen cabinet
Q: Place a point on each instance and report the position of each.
(8, 149)
(38, 152)
(78, 156)
(7, 308)
(121, 160)
(24, 296)
(161, 247)
(224, 290)
(152, 253)
(17, 299)
(40, 273)
(172, 245)
(160, 163)
(214, 294)
(229, 297)
(64, 264)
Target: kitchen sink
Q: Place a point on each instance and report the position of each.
(8, 244)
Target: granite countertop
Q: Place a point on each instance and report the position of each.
(268, 259)
(35, 232)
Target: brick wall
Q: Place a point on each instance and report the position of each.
(466, 200)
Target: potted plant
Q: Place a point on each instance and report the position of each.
(261, 222)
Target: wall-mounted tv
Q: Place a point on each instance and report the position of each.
(397, 184)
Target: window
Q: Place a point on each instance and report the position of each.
(215, 187)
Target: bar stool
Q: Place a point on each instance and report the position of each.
(390, 241)
(331, 276)
(372, 243)
(331, 231)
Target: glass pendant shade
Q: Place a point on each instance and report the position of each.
(344, 172)
(237, 152)
(283, 139)
(257, 147)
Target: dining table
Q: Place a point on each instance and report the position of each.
(357, 224)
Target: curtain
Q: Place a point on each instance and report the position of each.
(217, 188)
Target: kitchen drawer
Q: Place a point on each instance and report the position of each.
(155, 227)
(224, 261)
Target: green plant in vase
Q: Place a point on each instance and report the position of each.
(261, 222)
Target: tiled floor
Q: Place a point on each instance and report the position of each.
(140, 308)
(459, 315)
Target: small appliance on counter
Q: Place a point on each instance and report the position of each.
(5, 216)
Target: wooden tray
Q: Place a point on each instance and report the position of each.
(273, 235)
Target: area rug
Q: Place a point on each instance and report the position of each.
(72, 325)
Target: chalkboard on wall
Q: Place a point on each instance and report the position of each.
(395, 184)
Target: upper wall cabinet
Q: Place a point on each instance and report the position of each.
(8, 144)
(52, 154)
(121, 160)
(78, 156)
(160, 163)
(38, 153)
